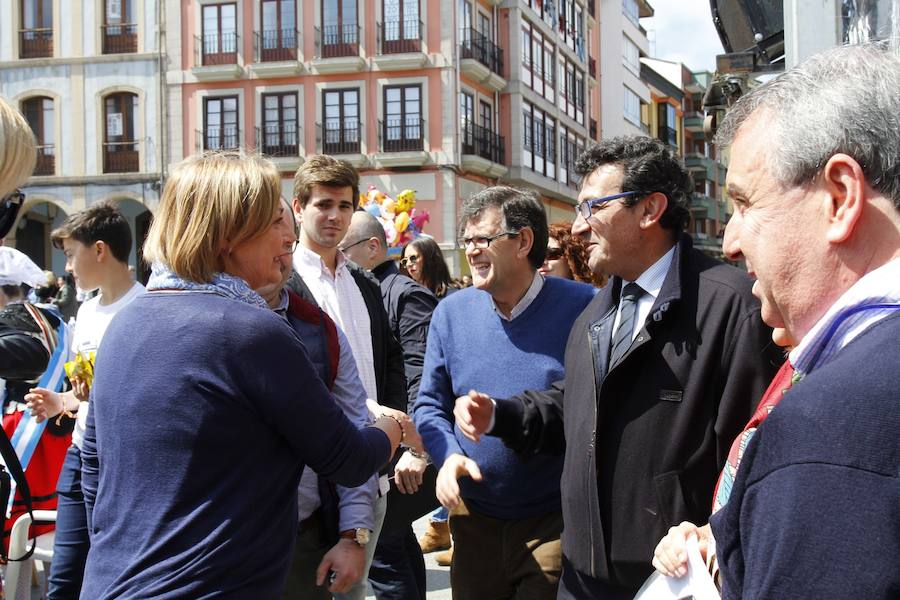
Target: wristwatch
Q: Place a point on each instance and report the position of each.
(360, 535)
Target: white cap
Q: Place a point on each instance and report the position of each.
(16, 269)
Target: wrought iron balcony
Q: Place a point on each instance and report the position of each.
(397, 37)
(216, 49)
(272, 45)
(46, 160)
(36, 43)
(119, 38)
(280, 139)
(476, 45)
(333, 41)
(339, 136)
(401, 134)
(121, 157)
(483, 142)
(226, 137)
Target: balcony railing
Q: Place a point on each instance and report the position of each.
(396, 37)
(120, 38)
(340, 136)
(667, 135)
(592, 67)
(402, 134)
(46, 160)
(276, 45)
(279, 139)
(476, 45)
(226, 137)
(334, 41)
(215, 49)
(121, 157)
(483, 142)
(36, 43)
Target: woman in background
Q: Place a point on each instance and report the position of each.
(567, 257)
(423, 260)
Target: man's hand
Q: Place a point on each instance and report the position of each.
(473, 414)
(447, 487)
(411, 437)
(408, 473)
(347, 560)
(670, 556)
(44, 404)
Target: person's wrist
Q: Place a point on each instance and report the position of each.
(399, 424)
(419, 455)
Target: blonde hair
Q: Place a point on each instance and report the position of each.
(210, 202)
(18, 152)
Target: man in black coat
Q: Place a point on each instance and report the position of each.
(398, 569)
(663, 369)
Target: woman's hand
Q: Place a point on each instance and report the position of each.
(670, 556)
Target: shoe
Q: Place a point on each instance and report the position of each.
(444, 559)
(436, 537)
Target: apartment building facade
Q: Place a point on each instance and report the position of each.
(87, 77)
(625, 97)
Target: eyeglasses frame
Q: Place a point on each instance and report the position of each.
(585, 207)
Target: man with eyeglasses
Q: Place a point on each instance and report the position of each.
(504, 335)
(662, 371)
(398, 568)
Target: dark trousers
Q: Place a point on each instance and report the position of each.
(499, 559)
(580, 586)
(311, 546)
(398, 569)
(71, 544)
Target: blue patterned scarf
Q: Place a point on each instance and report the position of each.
(223, 284)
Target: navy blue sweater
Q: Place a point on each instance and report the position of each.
(204, 412)
(815, 510)
(471, 347)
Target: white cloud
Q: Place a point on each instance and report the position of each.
(683, 31)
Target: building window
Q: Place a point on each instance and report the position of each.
(631, 10)
(403, 127)
(466, 109)
(486, 115)
(38, 112)
(538, 63)
(120, 148)
(666, 125)
(36, 35)
(465, 22)
(631, 55)
(632, 107)
(221, 130)
(539, 137)
(546, 10)
(571, 89)
(340, 28)
(278, 38)
(279, 128)
(571, 146)
(220, 38)
(119, 27)
(341, 126)
(402, 27)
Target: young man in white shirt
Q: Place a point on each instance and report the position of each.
(96, 242)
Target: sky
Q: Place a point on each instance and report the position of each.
(683, 31)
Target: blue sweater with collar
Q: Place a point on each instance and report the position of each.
(471, 347)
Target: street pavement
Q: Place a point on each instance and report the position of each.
(437, 581)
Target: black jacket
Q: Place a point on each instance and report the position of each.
(409, 307)
(386, 352)
(645, 442)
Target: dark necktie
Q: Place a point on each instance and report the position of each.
(622, 337)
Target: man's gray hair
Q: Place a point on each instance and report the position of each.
(843, 100)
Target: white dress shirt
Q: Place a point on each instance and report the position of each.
(537, 283)
(651, 281)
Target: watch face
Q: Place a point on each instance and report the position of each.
(362, 536)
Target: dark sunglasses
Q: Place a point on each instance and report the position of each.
(554, 253)
(9, 209)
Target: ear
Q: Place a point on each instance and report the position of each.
(845, 184)
(526, 241)
(100, 250)
(653, 208)
(296, 207)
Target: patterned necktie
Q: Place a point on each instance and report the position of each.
(622, 338)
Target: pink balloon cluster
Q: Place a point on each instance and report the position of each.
(402, 222)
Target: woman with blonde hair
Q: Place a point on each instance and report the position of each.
(205, 404)
(18, 155)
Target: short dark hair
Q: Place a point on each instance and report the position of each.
(101, 222)
(519, 209)
(324, 170)
(649, 166)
